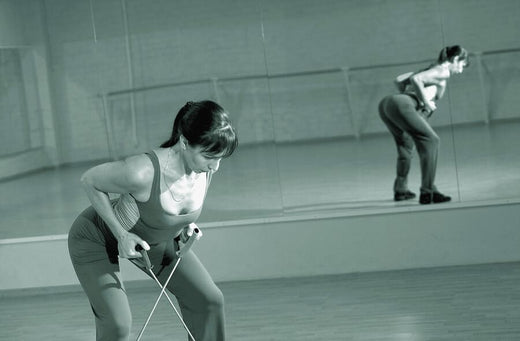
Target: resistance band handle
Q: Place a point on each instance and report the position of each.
(144, 261)
(196, 234)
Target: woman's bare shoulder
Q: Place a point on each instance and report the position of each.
(139, 168)
(432, 75)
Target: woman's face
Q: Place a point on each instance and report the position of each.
(201, 162)
(457, 66)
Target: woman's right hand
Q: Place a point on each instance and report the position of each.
(430, 106)
(127, 244)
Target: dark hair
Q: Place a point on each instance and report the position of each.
(205, 124)
(449, 53)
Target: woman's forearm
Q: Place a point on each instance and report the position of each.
(441, 88)
(419, 89)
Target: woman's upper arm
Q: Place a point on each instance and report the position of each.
(432, 76)
(131, 175)
(402, 80)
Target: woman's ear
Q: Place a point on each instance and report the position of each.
(183, 142)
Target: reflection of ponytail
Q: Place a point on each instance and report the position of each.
(443, 56)
(177, 123)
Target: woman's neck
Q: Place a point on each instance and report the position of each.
(176, 158)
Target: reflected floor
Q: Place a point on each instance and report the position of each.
(353, 175)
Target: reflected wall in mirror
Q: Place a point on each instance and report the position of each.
(118, 71)
(100, 80)
(330, 63)
(20, 125)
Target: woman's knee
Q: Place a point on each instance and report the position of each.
(214, 298)
(431, 140)
(116, 328)
(108, 329)
(434, 141)
(428, 147)
(113, 317)
(436, 138)
(207, 302)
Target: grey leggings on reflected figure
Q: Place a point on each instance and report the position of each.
(404, 119)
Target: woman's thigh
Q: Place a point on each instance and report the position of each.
(102, 283)
(191, 283)
(402, 111)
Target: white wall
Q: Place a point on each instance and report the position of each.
(310, 246)
(193, 40)
(11, 32)
(82, 52)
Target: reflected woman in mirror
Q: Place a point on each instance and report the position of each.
(160, 196)
(406, 116)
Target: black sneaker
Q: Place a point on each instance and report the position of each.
(400, 196)
(433, 198)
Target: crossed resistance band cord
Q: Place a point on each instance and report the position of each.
(145, 263)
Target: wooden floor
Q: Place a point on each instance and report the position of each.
(476, 163)
(477, 303)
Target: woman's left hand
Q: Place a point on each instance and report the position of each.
(188, 231)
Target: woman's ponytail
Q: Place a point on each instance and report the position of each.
(204, 124)
(448, 54)
(177, 125)
(443, 55)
